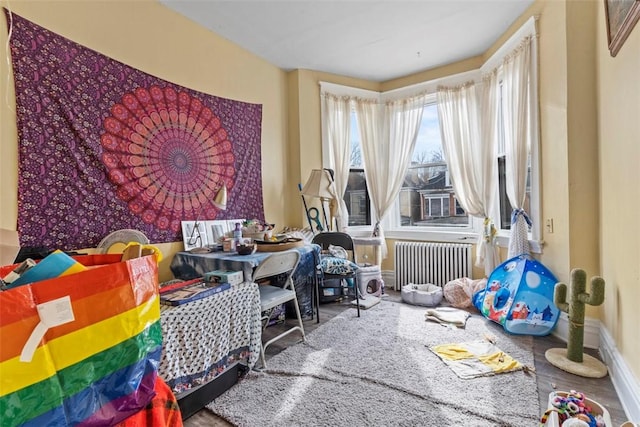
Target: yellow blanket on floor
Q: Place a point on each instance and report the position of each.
(476, 359)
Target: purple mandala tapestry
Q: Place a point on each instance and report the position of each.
(104, 147)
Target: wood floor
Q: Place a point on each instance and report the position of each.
(549, 378)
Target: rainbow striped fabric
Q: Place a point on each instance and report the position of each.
(97, 368)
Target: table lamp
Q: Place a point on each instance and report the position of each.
(320, 185)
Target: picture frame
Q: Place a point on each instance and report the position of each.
(194, 235)
(217, 230)
(621, 17)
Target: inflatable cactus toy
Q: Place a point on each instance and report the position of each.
(572, 359)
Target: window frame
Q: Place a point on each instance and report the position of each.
(391, 224)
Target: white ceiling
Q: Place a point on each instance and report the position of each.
(372, 40)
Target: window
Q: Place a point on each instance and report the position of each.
(505, 205)
(427, 207)
(356, 195)
(426, 198)
(427, 202)
(504, 222)
(357, 198)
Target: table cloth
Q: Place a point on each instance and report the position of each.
(188, 265)
(202, 338)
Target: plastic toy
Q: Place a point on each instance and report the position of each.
(573, 406)
(519, 296)
(572, 359)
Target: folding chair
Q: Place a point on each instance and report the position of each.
(280, 263)
(348, 271)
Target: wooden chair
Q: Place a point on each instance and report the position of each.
(345, 241)
(276, 264)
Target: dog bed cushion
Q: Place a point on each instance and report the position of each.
(424, 294)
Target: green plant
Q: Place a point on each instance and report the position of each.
(575, 307)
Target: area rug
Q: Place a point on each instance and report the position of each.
(377, 370)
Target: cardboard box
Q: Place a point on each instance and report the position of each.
(221, 276)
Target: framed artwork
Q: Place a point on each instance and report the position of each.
(206, 234)
(194, 234)
(622, 16)
(217, 230)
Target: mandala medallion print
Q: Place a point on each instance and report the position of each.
(168, 155)
(103, 146)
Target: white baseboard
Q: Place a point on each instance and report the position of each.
(626, 385)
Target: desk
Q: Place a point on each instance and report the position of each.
(187, 265)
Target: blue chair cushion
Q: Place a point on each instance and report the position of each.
(336, 265)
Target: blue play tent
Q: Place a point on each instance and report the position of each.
(519, 296)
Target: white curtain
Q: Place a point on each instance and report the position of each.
(388, 136)
(519, 132)
(468, 115)
(336, 113)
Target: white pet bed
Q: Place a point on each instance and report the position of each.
(426, 294)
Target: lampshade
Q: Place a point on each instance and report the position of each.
(319, 185)
(220, 200)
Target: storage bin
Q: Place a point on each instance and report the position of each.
(596, 409)
(331, 290)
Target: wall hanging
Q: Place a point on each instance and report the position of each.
(622, 16)
(104, 146)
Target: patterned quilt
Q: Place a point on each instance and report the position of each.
(204, 337)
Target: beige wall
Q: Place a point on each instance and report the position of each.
(618, 131)
(590, 132)
(589, 109)
(554, 155)
(152, 38)
(569, 138)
